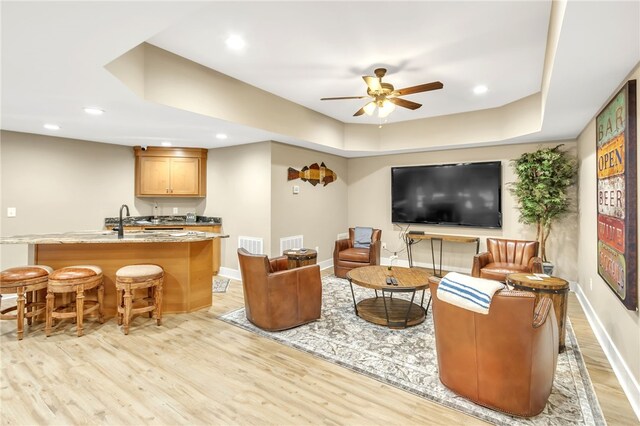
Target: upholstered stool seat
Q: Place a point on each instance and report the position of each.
(75, 279)
(139, 277)
(25, 282)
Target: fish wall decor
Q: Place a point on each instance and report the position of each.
(313, 174)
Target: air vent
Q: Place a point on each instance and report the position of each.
(251, 244)
(293, 242)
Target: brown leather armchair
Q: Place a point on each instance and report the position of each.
(504, 257)
(276, 298)
(505, 360)
(347, 257)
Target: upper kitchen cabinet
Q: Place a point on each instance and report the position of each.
(171, 172)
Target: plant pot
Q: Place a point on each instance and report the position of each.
(547, 268)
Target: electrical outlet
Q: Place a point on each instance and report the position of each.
(384, 246)
(296, 189)
(11, 212)
(175, 210)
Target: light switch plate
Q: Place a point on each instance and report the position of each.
(11, 212)
(296, 189)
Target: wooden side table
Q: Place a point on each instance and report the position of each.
(553, 287)
(300, 257)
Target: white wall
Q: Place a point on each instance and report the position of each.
(617, 327)
(60, 185)
(318, 212)
(369, 201)
(239, 191)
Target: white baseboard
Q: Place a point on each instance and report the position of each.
(627, 381)
(233, 274)
(326, 264)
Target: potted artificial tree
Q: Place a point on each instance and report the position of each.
(543, 180)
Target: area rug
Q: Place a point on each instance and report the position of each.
(220, 285)
(407, 359)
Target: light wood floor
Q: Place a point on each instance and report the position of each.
(196, 369)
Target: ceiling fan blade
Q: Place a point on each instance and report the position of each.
(405, 103)
(373, 83)
(419, 88)
(343, 97)
(359, 112)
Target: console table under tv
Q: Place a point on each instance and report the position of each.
(414, 237)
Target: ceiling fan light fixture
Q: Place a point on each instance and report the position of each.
(385, 97)
(370, 108)
(385, 108)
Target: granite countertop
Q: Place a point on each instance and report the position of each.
(84, 237)
(110, 222)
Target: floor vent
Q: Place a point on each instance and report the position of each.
(288, 243)
(343, 236)
(251, 244)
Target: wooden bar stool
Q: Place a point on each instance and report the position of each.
(78, 279)
(137, 277)
(25, 282)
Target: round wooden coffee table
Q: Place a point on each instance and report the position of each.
(387, 310)
(552, 287)
(300, 257)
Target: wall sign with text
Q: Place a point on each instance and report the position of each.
(616, 145)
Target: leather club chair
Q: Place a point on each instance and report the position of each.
(276, 298)
(347, 257)
(505, 360)
(504, 257)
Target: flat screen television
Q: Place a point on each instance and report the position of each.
(467, 194)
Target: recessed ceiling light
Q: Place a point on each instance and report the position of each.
(221, 136)
(480, 89)
(93, 111)
(51, 126)
(166, 143)
(235, 42)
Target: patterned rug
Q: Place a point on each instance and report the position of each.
(407, 359)
(220, 285)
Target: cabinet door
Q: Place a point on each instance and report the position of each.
(216, 244)
(185, 176)
(154, 175)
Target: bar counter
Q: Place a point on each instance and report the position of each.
(184, 256)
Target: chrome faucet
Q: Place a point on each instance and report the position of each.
(120, 226)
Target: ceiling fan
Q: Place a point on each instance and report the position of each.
(385, 97)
